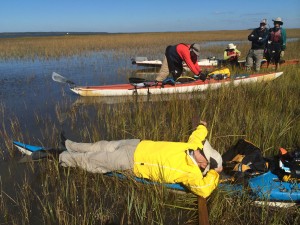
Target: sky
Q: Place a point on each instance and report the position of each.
(126, 16)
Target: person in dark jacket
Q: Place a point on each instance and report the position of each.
(175, 56)
(258, 37)
(276, 43)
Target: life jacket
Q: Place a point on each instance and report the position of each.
(244, 158)
(275, 36)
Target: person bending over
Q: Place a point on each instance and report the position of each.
(173, 60)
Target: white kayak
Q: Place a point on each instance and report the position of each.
(143, 61)
(147, 88)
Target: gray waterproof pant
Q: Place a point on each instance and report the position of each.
(255, 56)
(101, 156)
(164, 70)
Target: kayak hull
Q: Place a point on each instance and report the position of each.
(267, 186)
(198, 85)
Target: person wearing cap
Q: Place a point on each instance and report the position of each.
(258, 37)
(194, 164)
(276, 43)
(175, 56)
(232, 54)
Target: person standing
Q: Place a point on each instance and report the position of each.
(259, 38)
(276, 43)
(175, 55)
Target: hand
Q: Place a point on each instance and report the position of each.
(219, 169)
(281, 53)
(203, 122)
(202, 76)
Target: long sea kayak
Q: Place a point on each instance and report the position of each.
(146, 89)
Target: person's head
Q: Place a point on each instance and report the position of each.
(263, 24)
(209, 158)
(195, 49)
(231, 46)
(278, 22)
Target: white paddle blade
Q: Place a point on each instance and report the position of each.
(58, 78)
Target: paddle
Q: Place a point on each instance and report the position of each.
(59, 78)
(137, 80)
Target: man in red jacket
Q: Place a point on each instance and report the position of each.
(175, 55)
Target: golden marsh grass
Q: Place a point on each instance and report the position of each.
(149, 44)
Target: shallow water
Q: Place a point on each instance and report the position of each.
(27, 89)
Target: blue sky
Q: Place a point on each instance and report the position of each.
(143, 16)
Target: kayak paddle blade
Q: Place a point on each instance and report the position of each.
(59, 78)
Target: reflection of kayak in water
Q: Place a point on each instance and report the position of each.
(146, 88)
(136, 99)
(264, 187)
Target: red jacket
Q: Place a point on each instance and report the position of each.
(184, 53)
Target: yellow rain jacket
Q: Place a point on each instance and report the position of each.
(168, 162)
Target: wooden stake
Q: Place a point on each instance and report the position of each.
(202, 211)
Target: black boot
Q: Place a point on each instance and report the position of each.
(62, 141)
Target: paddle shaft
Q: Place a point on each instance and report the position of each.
(202, 211)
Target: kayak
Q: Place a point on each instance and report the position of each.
(210, 62)
(152, 88)
(264, 187)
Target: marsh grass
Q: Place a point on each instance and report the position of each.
(141, 44)
(45, 193)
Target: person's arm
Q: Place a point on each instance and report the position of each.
(253, 36)
(185, 54)
(226, 56)
(202, 186)
(198, 136)
(264, 38)
(283, 35)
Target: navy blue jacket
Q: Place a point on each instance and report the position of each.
(259, 38)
